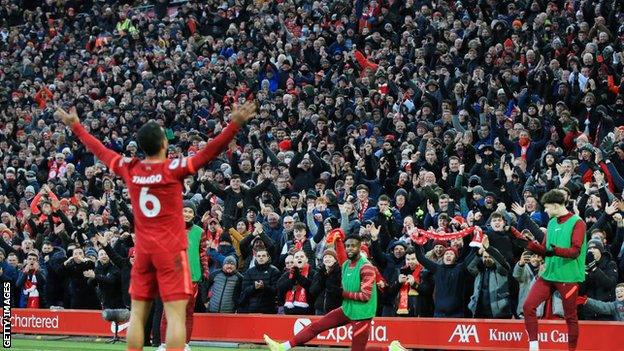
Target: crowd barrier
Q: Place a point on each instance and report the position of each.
(434, 333)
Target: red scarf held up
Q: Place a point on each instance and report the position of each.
(297, 297)
(420, 236)
(406, 291)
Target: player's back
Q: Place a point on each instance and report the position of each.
(155, 191)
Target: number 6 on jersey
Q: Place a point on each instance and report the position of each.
(147, 198)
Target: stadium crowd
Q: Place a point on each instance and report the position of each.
(375, 117)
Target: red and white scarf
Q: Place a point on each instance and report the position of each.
(57, 170)
(297, 297)
(407, 290)
(30, 291)
(363, 208)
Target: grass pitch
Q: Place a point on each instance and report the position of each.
(96, 345)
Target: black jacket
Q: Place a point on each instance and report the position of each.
(416, 304)
(83, 296)
(388, 264)
(450, 281)
(600, 285)
(124, 266)
(327, 288)
(285, 283)
(108, 282)
(56, 284)
(262, 300)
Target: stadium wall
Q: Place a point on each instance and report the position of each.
(437, 333)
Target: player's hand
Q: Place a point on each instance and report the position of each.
(68, 118)
(244, 113)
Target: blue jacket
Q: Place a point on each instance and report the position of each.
(218, 256)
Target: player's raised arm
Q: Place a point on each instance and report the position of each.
(109, 157)
(240, 116)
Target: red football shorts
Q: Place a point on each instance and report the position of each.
(164, 274)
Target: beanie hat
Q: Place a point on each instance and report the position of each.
(230, 260)
(459, 219)
(596, 243)
(30, 189)
(479, 190)
(191, 205)
(508, 43)
(330, 252)
(90, 252)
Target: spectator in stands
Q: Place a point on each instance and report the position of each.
(409, 286)
(295, 285)
(106, 278)
(389, 262)
(449, 277)
(613, 309)
(31, 282)
(490, 298)
(601, 277)
(326, 286)
(259, 286)
(224, 287)
(52, 262)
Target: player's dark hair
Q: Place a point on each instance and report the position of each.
(150, 138)
(554, 196)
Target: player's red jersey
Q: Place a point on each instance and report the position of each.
(156, 189)
(156, 195)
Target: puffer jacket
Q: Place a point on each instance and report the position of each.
(224, 290)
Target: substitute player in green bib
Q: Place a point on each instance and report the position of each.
(194, 233)
(564, 247)
(358, 308)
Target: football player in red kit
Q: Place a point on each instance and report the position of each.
(155, 188)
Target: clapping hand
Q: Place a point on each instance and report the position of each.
(89, 274)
